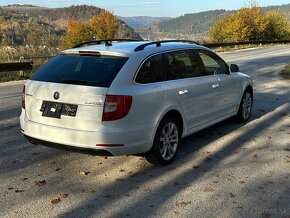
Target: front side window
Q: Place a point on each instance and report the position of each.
(212, 64)
(151, 71)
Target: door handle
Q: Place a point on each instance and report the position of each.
(215, 86)
(183, 92)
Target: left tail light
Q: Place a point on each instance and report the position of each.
(23, 97)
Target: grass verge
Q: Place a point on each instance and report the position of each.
(285, 73)
(12, 76)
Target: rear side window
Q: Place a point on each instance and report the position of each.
(82, 70)
(151, 71)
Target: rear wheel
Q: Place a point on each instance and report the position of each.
(165, 143)
(245, 108)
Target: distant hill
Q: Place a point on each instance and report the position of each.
(192, 26)
(20, 23)
(140, 21)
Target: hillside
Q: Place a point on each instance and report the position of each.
(193, 26)
(21, 25)
(140, 21)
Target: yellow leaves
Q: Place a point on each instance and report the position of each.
(102, 26)
(250, 24)
(83, 173)
(58, 198)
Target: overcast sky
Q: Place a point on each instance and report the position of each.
(159, 8)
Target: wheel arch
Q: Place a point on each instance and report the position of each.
(175, 112)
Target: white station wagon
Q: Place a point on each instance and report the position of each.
(118, 97)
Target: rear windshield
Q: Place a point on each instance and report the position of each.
(81, 70)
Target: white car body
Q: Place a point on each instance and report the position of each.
(199, 102)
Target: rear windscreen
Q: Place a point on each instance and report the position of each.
(82, 70)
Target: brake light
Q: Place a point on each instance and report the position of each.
(116, 107)
(23, 97)
(89, 53)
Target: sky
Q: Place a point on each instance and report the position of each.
(157, 8)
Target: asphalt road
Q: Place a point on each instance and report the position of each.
(228, 170)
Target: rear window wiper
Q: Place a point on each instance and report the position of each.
(78, 81)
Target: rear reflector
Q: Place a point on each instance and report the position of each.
(109, 145)
(23, 97)
(116, 107)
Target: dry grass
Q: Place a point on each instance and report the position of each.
(13, 54)
(285, 73)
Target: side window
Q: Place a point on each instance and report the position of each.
(151, 71)
(212, 63)
(181, 64)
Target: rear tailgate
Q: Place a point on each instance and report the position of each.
(81, 107)
(69, 91)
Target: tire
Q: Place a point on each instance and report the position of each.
(166, 141)
(245, 107)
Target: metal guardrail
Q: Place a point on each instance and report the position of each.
(28, 65)
(16, 66)
(257, 42)
(23, 58)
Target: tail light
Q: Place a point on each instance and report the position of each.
(116, 107)
(23, 97)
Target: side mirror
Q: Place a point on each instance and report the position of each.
(234, 68)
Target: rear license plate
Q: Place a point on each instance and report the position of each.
(55, 109)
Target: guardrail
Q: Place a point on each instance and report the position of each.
(28, 65)
(16, 66)
(23, 58)
(257, 42)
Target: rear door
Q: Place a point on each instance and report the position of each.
(70, 90)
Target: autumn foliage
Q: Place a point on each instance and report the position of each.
(103, 26)
(250, 24)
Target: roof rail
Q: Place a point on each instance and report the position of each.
(158, 43)
(106, 41)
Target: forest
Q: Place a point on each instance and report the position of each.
(30, 30)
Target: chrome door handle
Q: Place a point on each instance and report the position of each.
(183, 92)
(215, 86)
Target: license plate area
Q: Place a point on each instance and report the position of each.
(56, 109)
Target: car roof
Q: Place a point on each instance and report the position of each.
(126, 49)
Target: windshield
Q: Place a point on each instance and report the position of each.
(82, 70)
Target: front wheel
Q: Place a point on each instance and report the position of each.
(165, 143)
(245, 108)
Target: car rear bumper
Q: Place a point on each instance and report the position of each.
(107, 139)
(91, 151)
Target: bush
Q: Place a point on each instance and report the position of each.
(250, 24)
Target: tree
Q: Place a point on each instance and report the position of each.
(277, 26)
(103, 26)
(76, 33)
(250, 24)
